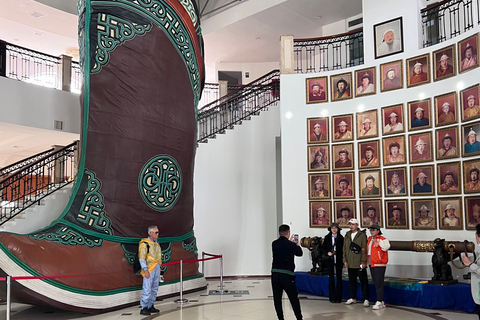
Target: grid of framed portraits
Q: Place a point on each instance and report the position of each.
(411, 165)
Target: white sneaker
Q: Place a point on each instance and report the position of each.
(351, 301)
(379, 305)
(366, 303)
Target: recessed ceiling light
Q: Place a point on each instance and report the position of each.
(38, 34)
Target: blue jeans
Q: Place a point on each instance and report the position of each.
(150, 288)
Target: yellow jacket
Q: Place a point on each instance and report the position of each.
(153, 257)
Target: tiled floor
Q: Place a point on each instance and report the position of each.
(257, 305)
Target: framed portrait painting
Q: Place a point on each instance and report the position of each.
(392, 117)
(392, 75)
(424, 215)
(418, 70)
(419, 115)
(316, 90)
(365, 82)
(318, 158)
(344, 185)
(342, 128)
(344, 211)
(472, 212)
(319, 186)
(447, 143)
(448, 177)
(450, 215)
(424, 184)
(388, 37)
(444, 63)
(469, 103)
(467, 53)
(470, 139)
(394, 150)
(341, 87)
(396, 214)
(367, 124)
(370, 183)
(342, 156)
(446, 109)
(368, 154)
(471, 176)
(371, 213)
(420, 147)
(320, 214)
(317, 130)
(396, 182)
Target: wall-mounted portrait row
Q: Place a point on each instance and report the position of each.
(426, 214)
(393, 119)
(418, 72)
(393, 182)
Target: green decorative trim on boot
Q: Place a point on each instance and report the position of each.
(190, 245)
(160, 182)
(67, 236)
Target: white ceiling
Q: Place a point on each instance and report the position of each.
(249, 32)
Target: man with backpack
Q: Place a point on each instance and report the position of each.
(150, 257)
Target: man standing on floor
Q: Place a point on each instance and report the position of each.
(283, 250)
(355, 259)
(150, 257)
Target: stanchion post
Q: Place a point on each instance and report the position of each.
(221, 273)
(181, 300)
(203, 263)
(9, 282)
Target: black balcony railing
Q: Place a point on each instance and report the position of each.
(447, 19)
(328, 53)
(35, 180)
(238, 105)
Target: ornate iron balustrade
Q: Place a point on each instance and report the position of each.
(210, 93)
(22, 163)
(447, 19)
(328, 53)
(238, 105)
(31, 66)
(29, 184)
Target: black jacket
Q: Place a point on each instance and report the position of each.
(328, 247)
(283, 251)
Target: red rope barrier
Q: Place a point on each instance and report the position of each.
(101, 274)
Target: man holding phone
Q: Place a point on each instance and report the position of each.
(284, 249)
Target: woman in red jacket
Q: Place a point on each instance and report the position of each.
(377, 254)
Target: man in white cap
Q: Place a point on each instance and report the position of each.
(472, 110)
(447, 149)
(394, 124)
(317, 134)
(343, 133)
(389, 43)
(420, 120)
(446, 116)
(472, 144)
(355, 259)
(418, 76)
(422, 186)
(368, 128)
(444, 68)
(321, 218)
(469, 58)
(366, 85)
(424, 219)
(450, 219)
(421, 151)
(319, 189)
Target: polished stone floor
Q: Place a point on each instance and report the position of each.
(256, 305)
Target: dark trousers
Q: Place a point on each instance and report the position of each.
(353, 274)
(281, 282)
(335, 294)
(478, 310)
(378, 279)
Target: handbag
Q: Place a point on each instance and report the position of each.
(355, 248)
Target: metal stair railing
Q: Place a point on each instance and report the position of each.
(238, 105)
(34, 181)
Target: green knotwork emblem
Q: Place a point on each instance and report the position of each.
(160, 182)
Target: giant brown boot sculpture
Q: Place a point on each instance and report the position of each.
(143, 76)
